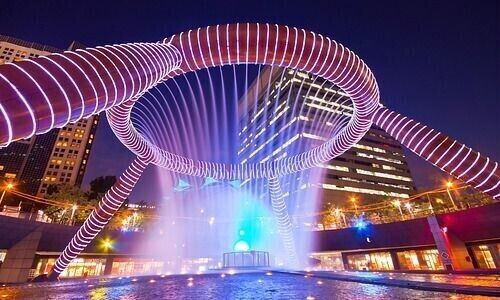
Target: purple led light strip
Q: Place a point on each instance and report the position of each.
(442, 151)
(269, 45)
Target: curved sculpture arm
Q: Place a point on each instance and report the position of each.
(110, 203)
(442, 151)
(48, 92)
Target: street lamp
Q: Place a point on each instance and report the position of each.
(339, 213)
(134, 219)
(449, 185)
(397, 203)
(9, 186)
(408, 207)
(353, 200)
(107, 244)
(73, 210)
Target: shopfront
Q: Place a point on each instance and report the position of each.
(79, 267)
(2, 256)
(329, 261)
(136, 266)
(427, 259)
(375, 261)
(487, 255)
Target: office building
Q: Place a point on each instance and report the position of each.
(57, 157)
(286, 112)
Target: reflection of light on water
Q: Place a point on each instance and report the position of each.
(242, 285)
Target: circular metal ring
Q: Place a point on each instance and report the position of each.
(264, 44)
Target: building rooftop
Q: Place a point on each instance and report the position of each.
(23, 43)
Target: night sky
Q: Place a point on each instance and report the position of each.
(435, 61)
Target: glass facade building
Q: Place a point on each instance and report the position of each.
(286, 112)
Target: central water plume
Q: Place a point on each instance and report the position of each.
(234, 114)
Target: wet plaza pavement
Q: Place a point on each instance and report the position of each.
(259, 285)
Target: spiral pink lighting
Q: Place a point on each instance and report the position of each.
(109, 204)
(442, 151)
(264, 44)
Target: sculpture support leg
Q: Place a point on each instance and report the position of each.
(110, 203)
(283, 220)
(442, 151)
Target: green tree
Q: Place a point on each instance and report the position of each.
(67, 196)
(100, 185)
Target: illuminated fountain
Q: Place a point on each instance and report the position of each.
(204, 217)
(40, 94)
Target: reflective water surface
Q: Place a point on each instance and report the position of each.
(216, 286)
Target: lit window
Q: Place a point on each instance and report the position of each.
(383, 175)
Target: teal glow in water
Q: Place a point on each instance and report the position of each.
(241, 246)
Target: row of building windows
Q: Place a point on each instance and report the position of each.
(370, 156)
(383, 175)
(367, 181)
(363, 191)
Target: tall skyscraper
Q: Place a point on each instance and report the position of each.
(285, 112)
(59, 156)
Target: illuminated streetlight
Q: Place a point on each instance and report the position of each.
(339, 213)
(449, 185)
(107, 244)
(409, 208)
(73, 210)
(353, 200)
(134, 219)
(397, 203)
(9, 186)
